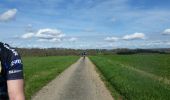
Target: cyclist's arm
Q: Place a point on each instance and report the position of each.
(14, 73)
(16, 89)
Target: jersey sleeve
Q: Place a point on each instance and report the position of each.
(12, 63)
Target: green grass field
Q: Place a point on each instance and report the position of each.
(39, 71)
(136, 77)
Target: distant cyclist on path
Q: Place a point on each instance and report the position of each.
(84, 54)
(11, 74)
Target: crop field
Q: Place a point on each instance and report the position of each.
(136, 77)
(39, 71)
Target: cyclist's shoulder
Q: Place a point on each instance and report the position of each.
(6, 48)
(1, 44)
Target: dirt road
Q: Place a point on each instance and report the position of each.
(79, 82)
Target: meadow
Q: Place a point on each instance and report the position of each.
(38, 71)
(137, 76)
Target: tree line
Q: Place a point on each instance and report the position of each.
(77, 52)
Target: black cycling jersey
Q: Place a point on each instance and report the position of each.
(84, 54)
(11, 68)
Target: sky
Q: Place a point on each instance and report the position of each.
(85, 24)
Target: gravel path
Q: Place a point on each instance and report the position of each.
(79, 82)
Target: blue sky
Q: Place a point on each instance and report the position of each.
(85, 23)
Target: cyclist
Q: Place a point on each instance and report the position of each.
(11, 74)
(84, 54)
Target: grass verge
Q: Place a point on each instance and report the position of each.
(132, 84)
(38, 71)
(116, 95)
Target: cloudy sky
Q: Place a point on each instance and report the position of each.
(85, 23)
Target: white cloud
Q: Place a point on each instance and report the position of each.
(48, 35)
(126, 37)
(29, 28)
(113, 19)
(49, 40)
(8, 15)
(166, 32)
(111, 39)
(51, 35)
(28, 35)
(134, 36)
(73, 39)
(29, 25)
(89, 30)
